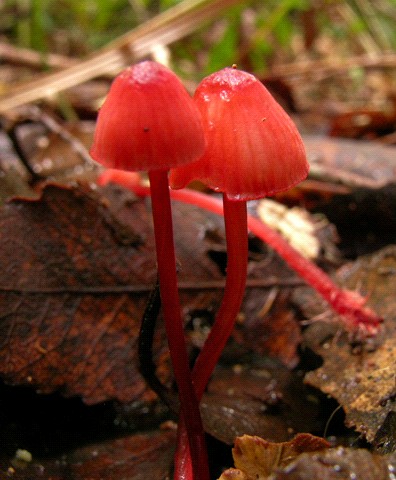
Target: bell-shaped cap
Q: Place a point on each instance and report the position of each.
(148, 121)
(253, 147)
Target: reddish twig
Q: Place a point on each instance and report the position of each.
(349, 304)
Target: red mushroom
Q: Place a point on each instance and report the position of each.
(253, 150)
(149, 122)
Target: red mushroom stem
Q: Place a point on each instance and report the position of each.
(235, 220)
(166, 261)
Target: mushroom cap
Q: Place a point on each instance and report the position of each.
(148, 121)
(253, 147)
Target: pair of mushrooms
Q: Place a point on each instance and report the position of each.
(233, 136)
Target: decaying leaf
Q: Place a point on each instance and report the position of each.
(137, 457)
(233, 474)
(76, 275)
(272, 329)
(13, 176)
(74, 286)
(362, 382)
(339, 463)
(385, 438)
(305, 457)
(258, 458)
(69, 320)
(264, 400)
(353, 163)
(11, 183)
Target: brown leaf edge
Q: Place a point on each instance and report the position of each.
(256, 458)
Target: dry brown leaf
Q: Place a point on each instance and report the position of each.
(306, 457)
(272, 329)
(233, 474)
(330, 464)
(74, 286)
(352, 163)
(75, 280)
(339, 464)
(257, 458)
(265, 400)
(68, 319)
(363, 383)
(136, 457)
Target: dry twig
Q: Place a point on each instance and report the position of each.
(165, 28)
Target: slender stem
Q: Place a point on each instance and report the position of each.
(235, 220)
(163, 231)
(183, 465)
